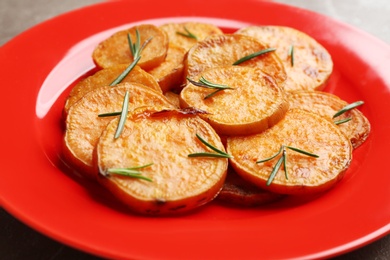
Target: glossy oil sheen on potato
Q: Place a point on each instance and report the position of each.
(254, 103)
(303, 130)
(179, 183)
(84, 126)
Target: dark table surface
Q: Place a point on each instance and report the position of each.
(18, 241)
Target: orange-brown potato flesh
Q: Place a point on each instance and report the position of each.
(169, 73)
(326, 105)
(312, 63)
(84, 127)
(226, 49)
(105, 77)
(115, 49)
(254, 104)
(303, 130)
(200, 30)
(179, 183)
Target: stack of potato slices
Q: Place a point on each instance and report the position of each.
(181, 114)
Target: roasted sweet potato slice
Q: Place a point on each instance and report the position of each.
(163, 141)
(299, 129)
(115, 49)
(226, 49)
(186, 34)
(169, 73)
(308, 64)
(254, 102)
(327, 105)
(239, 192)
(104, 78)
(84, 126)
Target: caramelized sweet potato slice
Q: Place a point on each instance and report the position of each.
(226, 49)
(308, 66)
(115, 49)
(239, 192)
(84, 126)
(169, 73)
(305, 174)
(254, 103)
(104, 78)
(163, 141)
(327, 105)
(186, 34)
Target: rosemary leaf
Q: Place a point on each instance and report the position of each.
(342, 121)
(129, 172)
(187, 34)
(109, 114)
(291, 54)
(275, 170)
(253, 55)
(212, 94)
(302, 152)
(122, 119)
(273, 156)
(348, 107)
(125, 72)
(285, 163)
(219, 154)
(204, 83)
(215, 155)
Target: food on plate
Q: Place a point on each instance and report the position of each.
(245, 101)
(169, 73)
(186, 34)
(352, 123)
(177, 115)
(229, 49)
(308, 154)
(163, 142)
(84, 125)
(239, 192)
(115, 49)
(307, 63)
(105, 77)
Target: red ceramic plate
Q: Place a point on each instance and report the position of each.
(38, 68)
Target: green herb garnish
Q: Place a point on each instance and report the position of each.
(218, 154)
(187, 34)
(348, 107)
(136, 48)
(342, 121)
(125, 72)
(283, 159)
(253, 55)
(204, 83)
(291, 54)
(123, 115)
(131, 172)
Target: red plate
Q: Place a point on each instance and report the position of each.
(39, 66)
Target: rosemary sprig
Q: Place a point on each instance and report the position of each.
(187, 34)
(109, 114)
(291, 54)
(348, 107)
(218, 154)
(123, 115)
(131, 172)
(125, 72)
(136, 48)
(204, 83)
(253, 55)
(283, 159)
(342, 121)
